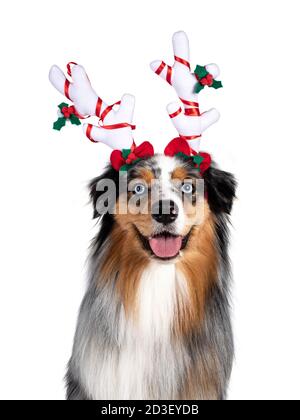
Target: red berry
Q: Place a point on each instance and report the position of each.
(209, 79)
(66, 112)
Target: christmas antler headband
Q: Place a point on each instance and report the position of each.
(116, 125)
(115, 121)
(190, 124)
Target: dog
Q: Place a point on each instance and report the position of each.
(155, 320)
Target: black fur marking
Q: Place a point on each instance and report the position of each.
(74, 390)
(109, 173)
(107, 221)
(220, 188)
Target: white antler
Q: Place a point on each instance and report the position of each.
(190, 124)
(117, 131)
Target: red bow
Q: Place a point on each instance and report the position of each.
(123, 160)
(176, 146)
(180, 147)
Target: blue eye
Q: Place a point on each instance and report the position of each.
(187, 188)
(140, 189)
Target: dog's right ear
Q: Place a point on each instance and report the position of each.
(220, 188)
(103, 191)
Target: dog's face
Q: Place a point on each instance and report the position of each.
(165, 203)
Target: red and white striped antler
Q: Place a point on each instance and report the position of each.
(116, 131)
(190, 124)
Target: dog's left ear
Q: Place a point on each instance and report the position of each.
(220, 188)
(96, 193)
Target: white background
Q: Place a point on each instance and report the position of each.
(46, 221)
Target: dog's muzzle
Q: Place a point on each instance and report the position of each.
(165, 212)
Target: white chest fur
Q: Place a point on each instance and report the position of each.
(146, 363)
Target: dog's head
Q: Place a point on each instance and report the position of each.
(160, 205)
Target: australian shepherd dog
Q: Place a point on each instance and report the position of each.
(155, 320)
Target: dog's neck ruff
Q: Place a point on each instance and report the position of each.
(144, 343)
(162, 288)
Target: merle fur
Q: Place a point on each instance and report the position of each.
(220, 188)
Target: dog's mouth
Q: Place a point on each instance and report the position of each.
(164, 246)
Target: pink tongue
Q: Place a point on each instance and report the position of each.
(166, 247)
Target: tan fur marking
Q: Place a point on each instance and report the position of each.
(143, 222)
(179, 173)
(199, 266)
(126, 253)
(147, 175)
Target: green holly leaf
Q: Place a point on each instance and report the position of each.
(198, 160)
(125, 168)
(74, 120)
(63, 105)
(182, 155)
(201, 72)
(126, 153)
(198, 88)
(217, 84)
(59, 124)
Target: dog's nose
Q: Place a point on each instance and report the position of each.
(165, 212)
